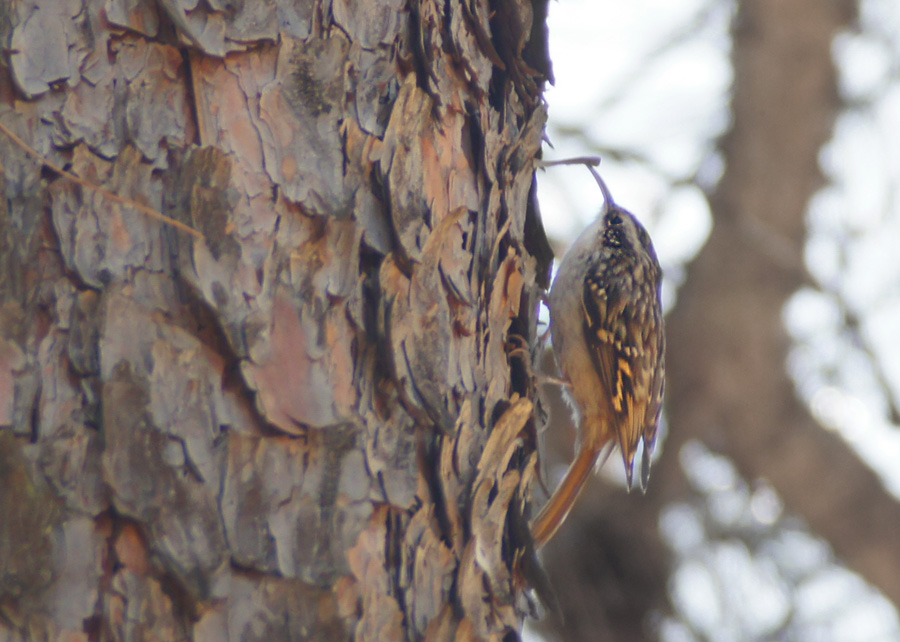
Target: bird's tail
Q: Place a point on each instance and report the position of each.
(554, 512)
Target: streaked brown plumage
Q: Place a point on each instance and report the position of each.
(607, 330)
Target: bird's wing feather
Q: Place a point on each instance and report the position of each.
(620, 347)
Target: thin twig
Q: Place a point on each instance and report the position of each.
(149, 211)
(590, 161)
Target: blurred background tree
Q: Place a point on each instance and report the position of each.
(758, 141)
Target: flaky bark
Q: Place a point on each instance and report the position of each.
(306, 424)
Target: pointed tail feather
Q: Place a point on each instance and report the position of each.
(554, 512)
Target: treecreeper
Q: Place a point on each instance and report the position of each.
(608, 337)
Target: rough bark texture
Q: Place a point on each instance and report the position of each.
(306, 425)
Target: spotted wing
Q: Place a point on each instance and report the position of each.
(623, 331)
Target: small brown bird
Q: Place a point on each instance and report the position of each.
(607, 330)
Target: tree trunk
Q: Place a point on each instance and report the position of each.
(304, 422)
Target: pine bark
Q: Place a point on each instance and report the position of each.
(310, 423)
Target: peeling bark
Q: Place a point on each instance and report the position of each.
(305, 424)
